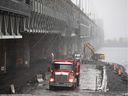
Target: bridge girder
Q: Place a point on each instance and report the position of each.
(10, 25)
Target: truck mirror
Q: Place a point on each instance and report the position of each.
(49, 69)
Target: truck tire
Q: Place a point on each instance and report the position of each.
(74, 86)
(51, 87)
(78, 81)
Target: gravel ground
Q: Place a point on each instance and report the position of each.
(115, 82)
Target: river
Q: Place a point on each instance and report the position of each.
(116, 55)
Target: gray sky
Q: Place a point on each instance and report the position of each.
(114, 14)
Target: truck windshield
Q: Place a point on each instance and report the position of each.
(62, 66)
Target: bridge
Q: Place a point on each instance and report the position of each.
(33, 29)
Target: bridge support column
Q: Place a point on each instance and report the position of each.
(22, 52)
(26, 53)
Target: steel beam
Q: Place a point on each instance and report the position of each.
(1, 25)
(10, 26)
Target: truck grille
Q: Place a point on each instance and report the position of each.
(61, 78)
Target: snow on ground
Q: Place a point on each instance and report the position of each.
(89, 77)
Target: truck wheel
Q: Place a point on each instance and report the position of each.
(78, 81)
(74, 86)
(51, 87)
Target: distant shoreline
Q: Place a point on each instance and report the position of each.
(116, 46)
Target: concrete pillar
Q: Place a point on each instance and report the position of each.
(2, 63)
(26, 54)
(22, 52)
(65, 45)
(19, 53)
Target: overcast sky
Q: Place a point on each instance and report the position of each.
(114, 14)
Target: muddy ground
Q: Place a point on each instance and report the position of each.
(93, 81)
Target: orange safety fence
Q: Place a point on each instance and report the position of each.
(120, 71)
(115, 67)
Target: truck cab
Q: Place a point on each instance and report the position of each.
(64, 73)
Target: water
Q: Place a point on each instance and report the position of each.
(116, 55)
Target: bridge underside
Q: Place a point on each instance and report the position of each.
(33, 47)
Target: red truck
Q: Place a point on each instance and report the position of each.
(64, 73)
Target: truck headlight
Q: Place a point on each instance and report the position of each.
(71, 80)
(51, 79)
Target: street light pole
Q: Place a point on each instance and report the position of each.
(80, 4)
(76, 2)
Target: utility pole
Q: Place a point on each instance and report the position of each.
(87, 6)
(80, 4)
(76, 2)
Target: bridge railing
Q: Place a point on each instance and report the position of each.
(64, 13)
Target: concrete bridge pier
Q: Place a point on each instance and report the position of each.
(7, 55)
(26, 53)
(22, 52)
(14, 53)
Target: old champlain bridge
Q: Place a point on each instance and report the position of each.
(30, 30)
